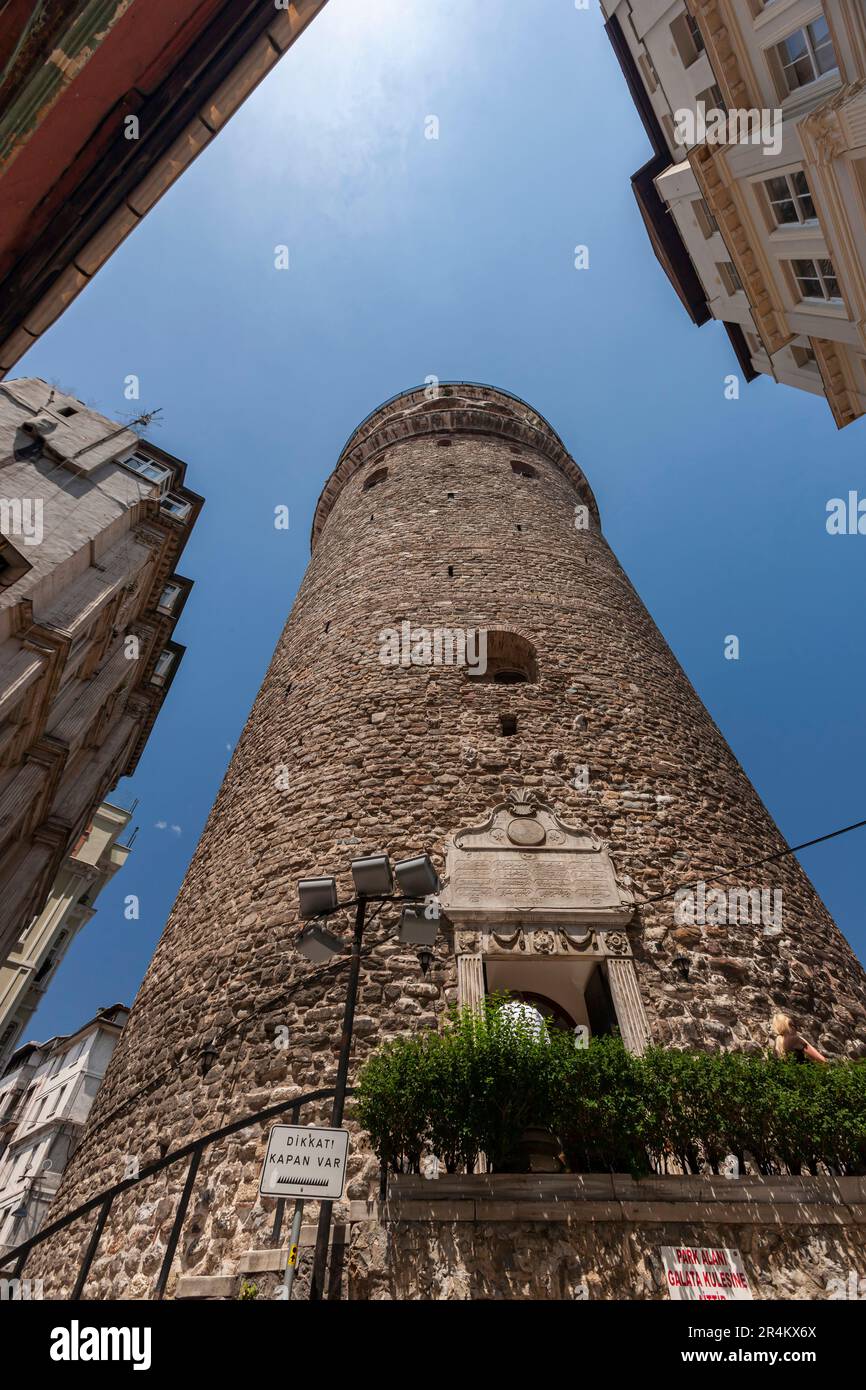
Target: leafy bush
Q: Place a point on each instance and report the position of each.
(476, 1086)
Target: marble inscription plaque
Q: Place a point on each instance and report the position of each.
(567, 878)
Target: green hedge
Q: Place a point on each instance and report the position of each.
(476, 1086)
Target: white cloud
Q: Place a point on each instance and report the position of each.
(164, 825)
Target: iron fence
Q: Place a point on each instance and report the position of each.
(103, 1201)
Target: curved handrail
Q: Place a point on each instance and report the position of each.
(19, 1252)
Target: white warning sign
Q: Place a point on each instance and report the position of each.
(305, 1162)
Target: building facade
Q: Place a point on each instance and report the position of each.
(578, 763)
(759, 219)
(32, 965)
(93, 523)
(46, 1092)
(103, 104)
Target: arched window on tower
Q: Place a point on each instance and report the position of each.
(511, 660)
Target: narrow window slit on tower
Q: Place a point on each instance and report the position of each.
(450, 571)
(508, 724)
(451, 497)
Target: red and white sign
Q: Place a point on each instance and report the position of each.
(706, 1275)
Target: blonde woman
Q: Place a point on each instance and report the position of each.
(788, 1041)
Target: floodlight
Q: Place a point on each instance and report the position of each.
(416, 929)
(417, 877)
(372, 876)
(316, 895)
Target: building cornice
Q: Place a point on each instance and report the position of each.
(768, 313)
(840, 394)
(717, 27)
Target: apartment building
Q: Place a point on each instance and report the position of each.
(46, 1092)
(94, 521)
(31, 966)
(103, 105)
(759, 219)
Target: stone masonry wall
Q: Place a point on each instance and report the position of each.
(396, 759)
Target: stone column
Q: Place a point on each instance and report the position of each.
(470, 981)
(629, 1007)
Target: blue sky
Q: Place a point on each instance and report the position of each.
(455, 257)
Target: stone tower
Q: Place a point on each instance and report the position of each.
(460, 512)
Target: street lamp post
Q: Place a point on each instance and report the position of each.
(318, 898)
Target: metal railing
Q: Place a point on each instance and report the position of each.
(410, 391)
(102, 1202)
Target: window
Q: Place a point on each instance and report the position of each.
(816, 280)
(712, 98)
(804, 357)
(789, 199)
(44, 968)
(729, 277)
(164, 663)
(525, 470)
(67, 410)
(150, 469)
(511, 660)
(650, 75)
(687, 37)
(169, 596)
(508, 724)
(375, 478)
(176, 507)
(804, 56)
(13, 565)
(704, 217)
(444, 443)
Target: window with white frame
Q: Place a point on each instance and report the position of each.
(789, 199)
(148, 468)
(816, 280)
(169, 597)
(729, 277)
(176, 507)
(804, 56)
(164, 663)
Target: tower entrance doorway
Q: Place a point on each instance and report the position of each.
(567, 993)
